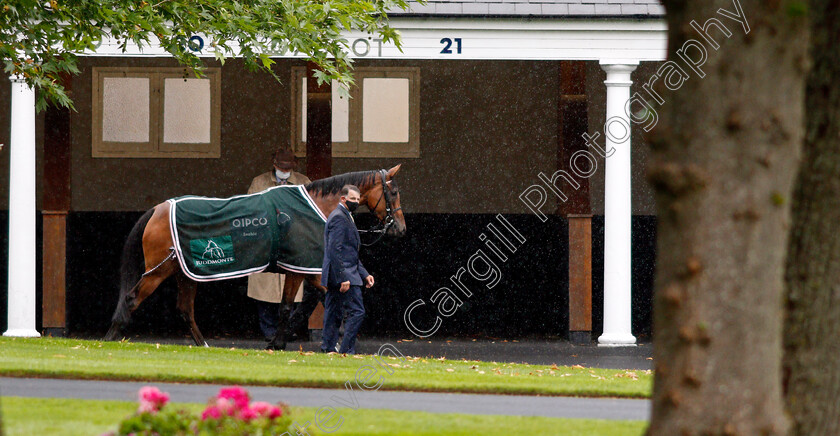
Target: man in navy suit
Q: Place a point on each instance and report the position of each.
(343, 274)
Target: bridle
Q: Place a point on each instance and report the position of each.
(383, 226)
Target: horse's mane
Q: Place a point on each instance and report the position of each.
(332, 185)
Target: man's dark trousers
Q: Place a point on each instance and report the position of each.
(337, 304)
(269, 315)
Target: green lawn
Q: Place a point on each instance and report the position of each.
(72, 358)
(35, 416)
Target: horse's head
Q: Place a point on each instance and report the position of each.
(383, 199)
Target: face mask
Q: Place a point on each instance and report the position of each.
(352, 205)
(282, 174)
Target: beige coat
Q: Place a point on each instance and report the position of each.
(268, 286)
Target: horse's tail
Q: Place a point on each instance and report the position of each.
(132, 267)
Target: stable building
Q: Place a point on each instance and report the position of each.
(494, 109)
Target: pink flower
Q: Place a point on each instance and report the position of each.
(147, 407)
(247, 414)
(151, 399)
(225, 406)
(211, 412)
(264, 409)
(236, 394)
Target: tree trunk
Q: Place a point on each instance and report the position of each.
(812, 326)
(724, 159)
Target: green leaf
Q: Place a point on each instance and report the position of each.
(301, 26)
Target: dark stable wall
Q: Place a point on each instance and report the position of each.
(531, 300)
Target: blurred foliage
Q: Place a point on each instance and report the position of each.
(40, 40)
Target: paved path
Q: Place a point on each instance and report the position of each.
(480, 404)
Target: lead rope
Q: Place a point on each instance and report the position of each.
(170, 256)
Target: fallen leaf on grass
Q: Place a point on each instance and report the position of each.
(293, 361)
(450, 370)
(628, 374)
(578, 367)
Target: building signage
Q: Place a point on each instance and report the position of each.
(477, 39)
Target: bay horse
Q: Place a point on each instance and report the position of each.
(148, 256)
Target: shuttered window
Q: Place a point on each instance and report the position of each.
(381, 118)
(158, 112)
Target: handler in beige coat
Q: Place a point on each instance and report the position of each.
(267, 288)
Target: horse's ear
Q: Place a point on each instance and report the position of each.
(393, 171)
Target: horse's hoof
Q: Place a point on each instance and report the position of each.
(112, 335)
(205, 344)
(276, 346)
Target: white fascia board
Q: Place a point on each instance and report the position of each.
(487, 39)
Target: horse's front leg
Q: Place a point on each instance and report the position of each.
(315, 280)
(290, 287)
(186, 305)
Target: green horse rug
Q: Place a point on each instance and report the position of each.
(276, 230)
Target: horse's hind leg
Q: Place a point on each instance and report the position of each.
(186, 305)
(132, 299)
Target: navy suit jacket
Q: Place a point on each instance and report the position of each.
(341, 251)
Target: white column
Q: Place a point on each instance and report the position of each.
(22, 212)
(618, 209)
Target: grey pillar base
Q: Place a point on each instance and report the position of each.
(580, 337)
